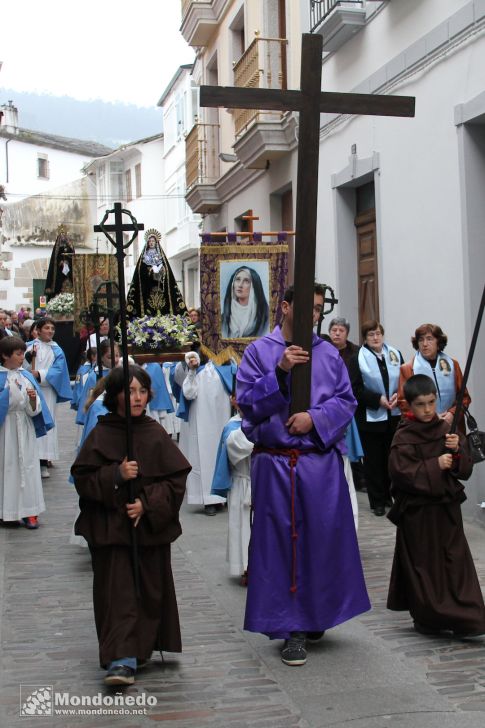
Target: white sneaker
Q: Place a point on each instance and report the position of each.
(44, 472)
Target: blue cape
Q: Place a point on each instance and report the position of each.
(161, 398)
(78, 384)
(91, 416)
(352, 442)
(176, 389)
(222, 480)
(58, 374)
(226, 372)
(43, 422)
(88, 385)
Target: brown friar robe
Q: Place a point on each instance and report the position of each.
(127, 626)
(433, 575)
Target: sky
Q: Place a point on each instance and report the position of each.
(115, 50)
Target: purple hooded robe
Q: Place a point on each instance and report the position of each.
(305, 572)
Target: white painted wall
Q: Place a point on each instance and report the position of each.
(181, 225)
(148, 208)
(22, 168)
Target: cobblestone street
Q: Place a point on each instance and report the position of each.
(372, 672)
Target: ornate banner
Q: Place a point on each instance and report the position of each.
(241, 284)
(88, 272)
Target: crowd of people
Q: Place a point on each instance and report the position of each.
(286, 478)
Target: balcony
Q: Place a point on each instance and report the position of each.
(200, 19)
(202, 167)
(261, 135)
(336, 20)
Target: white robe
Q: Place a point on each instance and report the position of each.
(20, 482)
(199, 437)
(353, 495)
(239, 501)
(48, 444)
(169, 420)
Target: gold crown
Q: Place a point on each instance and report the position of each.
(153, 232)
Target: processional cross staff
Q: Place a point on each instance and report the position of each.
(108, 292)
(118, 229)
(310, 102)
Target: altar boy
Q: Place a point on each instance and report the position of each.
(48, 365)
(24, 416)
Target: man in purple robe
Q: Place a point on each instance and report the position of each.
(305, 573)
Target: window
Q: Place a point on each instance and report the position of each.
(180, 110)
(116, 180)
(42, 166)
(170, 127)
(129, 195)
(138, 180)
(101, 184)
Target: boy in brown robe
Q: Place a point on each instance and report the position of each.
(130, 628)
(433, 575)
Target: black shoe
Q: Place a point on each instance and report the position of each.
(314, 636)
(379, 511)
(210, 510)
(294, 652)
(120, 675)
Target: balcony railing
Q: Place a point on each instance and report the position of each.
(263, 65)
(319, 9)
(202, 155)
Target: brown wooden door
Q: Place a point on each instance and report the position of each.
(365, 224)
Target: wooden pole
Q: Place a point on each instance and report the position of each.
(306, 218)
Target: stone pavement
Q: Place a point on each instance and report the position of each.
(373, 672)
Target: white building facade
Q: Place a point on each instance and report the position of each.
(179, 103)
(400, 212)
(41, 175)
(132, 175)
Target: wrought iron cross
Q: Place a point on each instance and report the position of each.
(310, 102)
(118, 229)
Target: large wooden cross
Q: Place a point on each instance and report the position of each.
(310, 102)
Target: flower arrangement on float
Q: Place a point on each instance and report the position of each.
(167, 333)
(61, 306)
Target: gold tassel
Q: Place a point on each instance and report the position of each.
(222, 357)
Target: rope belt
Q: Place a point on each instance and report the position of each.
(293, 455)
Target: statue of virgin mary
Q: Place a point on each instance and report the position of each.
(153, 289)
(59, 274)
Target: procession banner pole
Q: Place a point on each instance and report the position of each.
(466, 373)
(118, 228)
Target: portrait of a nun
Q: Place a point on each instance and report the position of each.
(153, 289)
(245, 310)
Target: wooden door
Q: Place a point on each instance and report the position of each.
(282, 34)
(365, 224)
